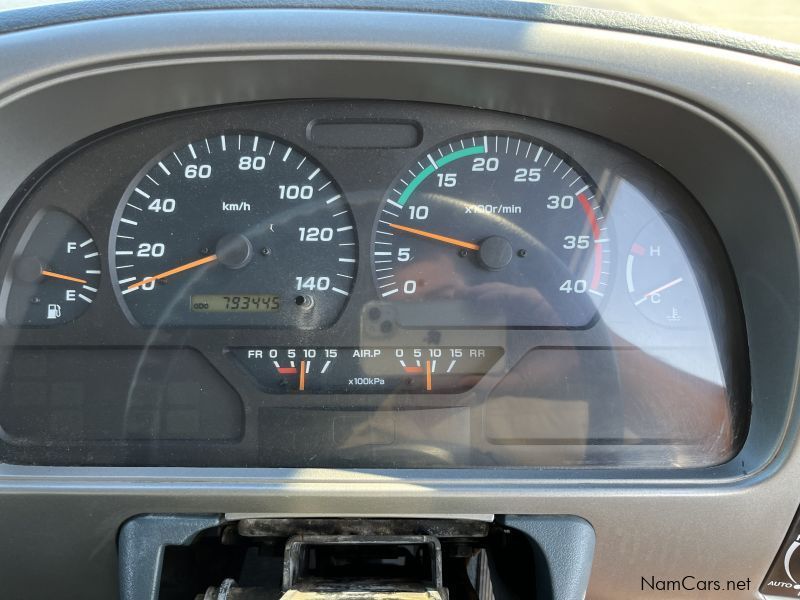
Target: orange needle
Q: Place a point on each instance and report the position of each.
(64, 277)
(437, 237)
(428, 376)
(302, 375)
(181, 269)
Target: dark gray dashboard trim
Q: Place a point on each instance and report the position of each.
(541, 12)
(627, 514)
(564, 551)
(142, 543)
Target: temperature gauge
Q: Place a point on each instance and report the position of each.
(54, 275)
(367, 370)
(660, 278)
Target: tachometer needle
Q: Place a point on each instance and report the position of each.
(64, 277)
(658, 290)
(436, 236)
(181, 269)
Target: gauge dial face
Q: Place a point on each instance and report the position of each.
(234, 230)
(660, 278)
(56, 274)
(436, 370)
(492, 230)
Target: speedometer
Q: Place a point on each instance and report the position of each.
(234, 230)
(492, 230)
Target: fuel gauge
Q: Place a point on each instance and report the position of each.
(55, 273)
(660, 278)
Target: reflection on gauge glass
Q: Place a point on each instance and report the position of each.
(492, 231)
(234, 230)
(55, 273)
(660, 279)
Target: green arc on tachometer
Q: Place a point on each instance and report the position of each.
(427, 171)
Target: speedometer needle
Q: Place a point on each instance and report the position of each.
(64, 277)
(658, 290)
(436, 236)
(181, 269)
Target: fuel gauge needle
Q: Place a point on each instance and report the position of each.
(180, 269)
(658, 290)
(64, 277)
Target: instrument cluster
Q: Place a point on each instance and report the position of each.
(367, 284)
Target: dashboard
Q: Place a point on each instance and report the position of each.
(366, 283)
(271, 276)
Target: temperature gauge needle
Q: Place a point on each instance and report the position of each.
(64, 277)
(181, 269)
(658, 290)
(436, 236)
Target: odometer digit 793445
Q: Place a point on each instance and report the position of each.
(492, 230)
(234, 230)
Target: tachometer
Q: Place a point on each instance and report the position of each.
(234, 230)
(492, 230)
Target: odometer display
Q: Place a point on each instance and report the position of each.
(235, 303)
(229, 214)
(492, 231)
